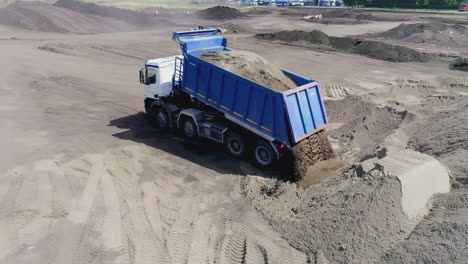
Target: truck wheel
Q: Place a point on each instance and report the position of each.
(162, 119)
(189, 128)
(235, 144)
(263, 154)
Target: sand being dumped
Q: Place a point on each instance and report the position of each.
(431, 33)
(220, 13)
(369, 48)
(251, 66)
(255, 68)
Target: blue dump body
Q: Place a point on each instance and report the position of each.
(287, 117)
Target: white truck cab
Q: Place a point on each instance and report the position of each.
(156, 77)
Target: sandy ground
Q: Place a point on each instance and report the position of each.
(86, 179)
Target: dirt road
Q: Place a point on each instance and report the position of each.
(85, 178)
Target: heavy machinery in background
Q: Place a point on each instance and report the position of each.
(203, 100)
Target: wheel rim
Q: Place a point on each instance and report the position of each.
(189, 130)
(262, 155)
(162, 120)
(235, 146)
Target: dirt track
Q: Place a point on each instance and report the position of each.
(87, 179)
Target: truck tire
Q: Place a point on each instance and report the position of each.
(189, 129)
(162, 118)
(235, 144)
(263, 154)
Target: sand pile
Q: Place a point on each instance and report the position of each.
(373, 49)
(126, 15)
(432, 33)
(220, 13)
(252, 67)
(350, 218)
(365, 125)
(44, 17)
(338, 21)
(460, 64)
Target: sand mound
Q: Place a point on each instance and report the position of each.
(365, 125)
(44, 17)
(432, 33)
(339, 220)
(315, 36)
(373, 49)
(460, 64)
(338, 21)
(128, 16)
(220, 12)
(252, 67)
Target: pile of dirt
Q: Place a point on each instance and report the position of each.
(431, 33)
(365, 125)
(373, 49)
(129, 16)
(252, 67)
(348, 218)
(220, 13)
(460, 64)
(338, 21)
(314, 36)
(44, 17)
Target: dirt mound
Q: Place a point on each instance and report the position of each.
(126, 15)
(337, 221)
(432, 33)
(338, 21)
(220, 13)
(373, 49)
(460, 64)
(315, 36)
(252, 67)
(44, 17)
(365, 125)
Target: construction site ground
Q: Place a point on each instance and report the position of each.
(86, 178)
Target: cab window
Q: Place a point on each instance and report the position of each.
(150, 76)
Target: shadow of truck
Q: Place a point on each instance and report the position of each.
(202, 152)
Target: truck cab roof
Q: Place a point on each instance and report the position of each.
(162, 62)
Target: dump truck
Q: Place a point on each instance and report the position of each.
(201, 100)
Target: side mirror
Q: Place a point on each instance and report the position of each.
(143, 76)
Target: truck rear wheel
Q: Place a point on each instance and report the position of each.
(263, 154)
(162, 119)
(189, 129)
(235, 144)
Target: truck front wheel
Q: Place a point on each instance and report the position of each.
(189, 128)
(235, 144)
(263, 154)
(162, 119)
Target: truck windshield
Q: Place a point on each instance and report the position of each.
(150, 76)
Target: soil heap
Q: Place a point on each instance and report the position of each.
(220, 13)
(129, 16)
(44, 17)
(251, 66)
(432, 33)
(460, 64)
(373, 49)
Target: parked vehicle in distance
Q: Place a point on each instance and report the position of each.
(463, 7)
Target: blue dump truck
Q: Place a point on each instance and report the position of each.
(201, 99)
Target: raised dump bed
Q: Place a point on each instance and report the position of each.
(282, 117)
